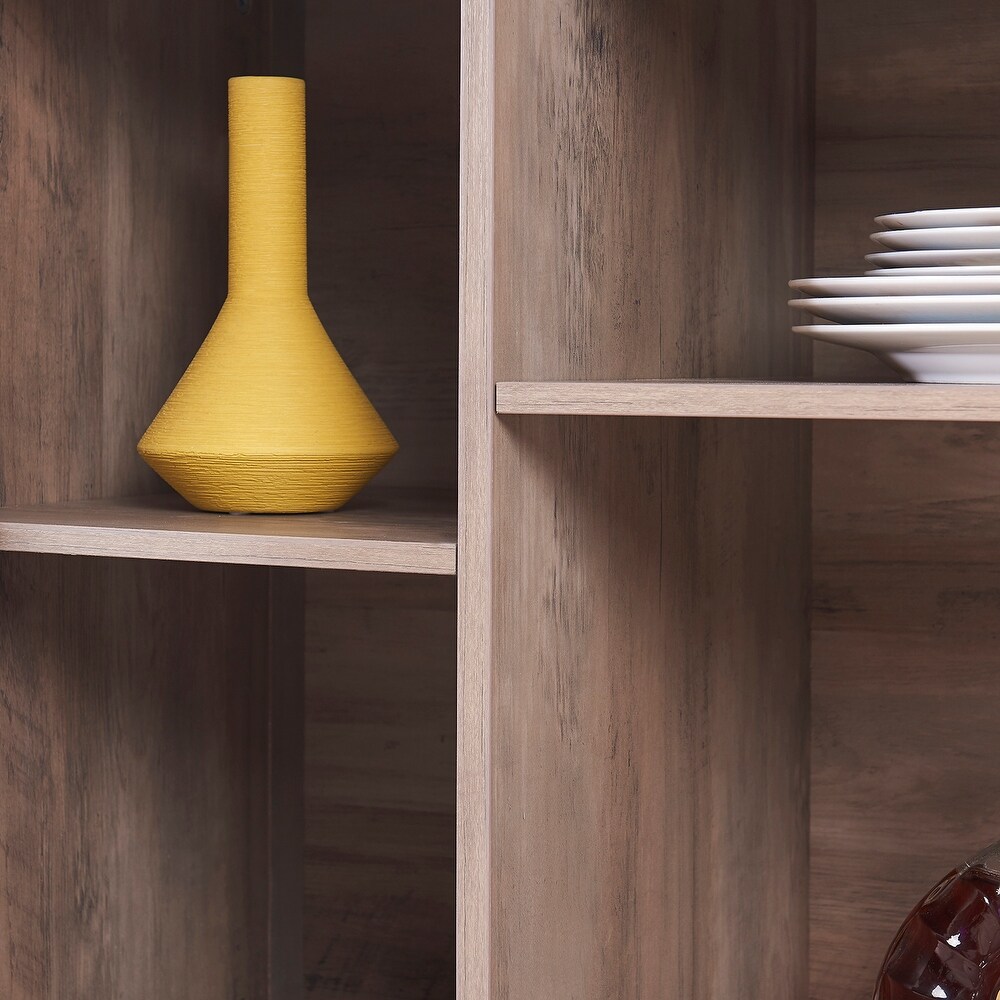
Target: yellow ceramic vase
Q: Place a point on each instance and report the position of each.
(267, 418)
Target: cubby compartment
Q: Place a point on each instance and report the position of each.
(904, 544)
(718, 787)
(227, 743)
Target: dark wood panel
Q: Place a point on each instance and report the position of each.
(277, 830)
(383, 213)
(133, 696)
(906, 618)
(380, 787)
(906, 612)
(158, 256)
(380, 763)
(129, 780)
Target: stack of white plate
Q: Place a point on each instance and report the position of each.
(931, 309)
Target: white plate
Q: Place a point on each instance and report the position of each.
(890, 283)
(905, 308)
(931, 272)
(959, 238)
(925, 352)
(946, 218)
(934, 258)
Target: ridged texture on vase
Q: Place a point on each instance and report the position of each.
(267, 418)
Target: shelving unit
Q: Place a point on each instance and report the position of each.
(721, 701)
(397, 531)
(766, 400)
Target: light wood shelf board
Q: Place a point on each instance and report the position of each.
(769, 400)
(389, 531)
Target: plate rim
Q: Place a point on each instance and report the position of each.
(890, 221)
(885, 237)
(969, 271)
(873, 258)
(960, 299)
(867, 285)
(930, 329)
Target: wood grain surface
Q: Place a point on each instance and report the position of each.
(383, 85)
(129, 780)
(906, 612)
(382, 105)
(650, 715)
(392, 531)
(475, 966)
(764, 400)
(380, 787)
(278, 824)
(132, 695)
(634, 707)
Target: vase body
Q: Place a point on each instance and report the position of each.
(949, 946)
(267, 418)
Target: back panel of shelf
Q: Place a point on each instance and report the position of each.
(134, 790)
(380, 652)
(906, 579)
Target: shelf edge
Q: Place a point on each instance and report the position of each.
(753, 400)
(361, 555)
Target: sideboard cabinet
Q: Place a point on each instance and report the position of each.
(659, 663)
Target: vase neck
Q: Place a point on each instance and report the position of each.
(267, 187)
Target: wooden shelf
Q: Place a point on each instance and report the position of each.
(389, 531)
(776, 400)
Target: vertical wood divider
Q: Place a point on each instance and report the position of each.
(476, 400)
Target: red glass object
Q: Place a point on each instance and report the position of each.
(949, 946)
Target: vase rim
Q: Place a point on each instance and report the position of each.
(265, 76)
